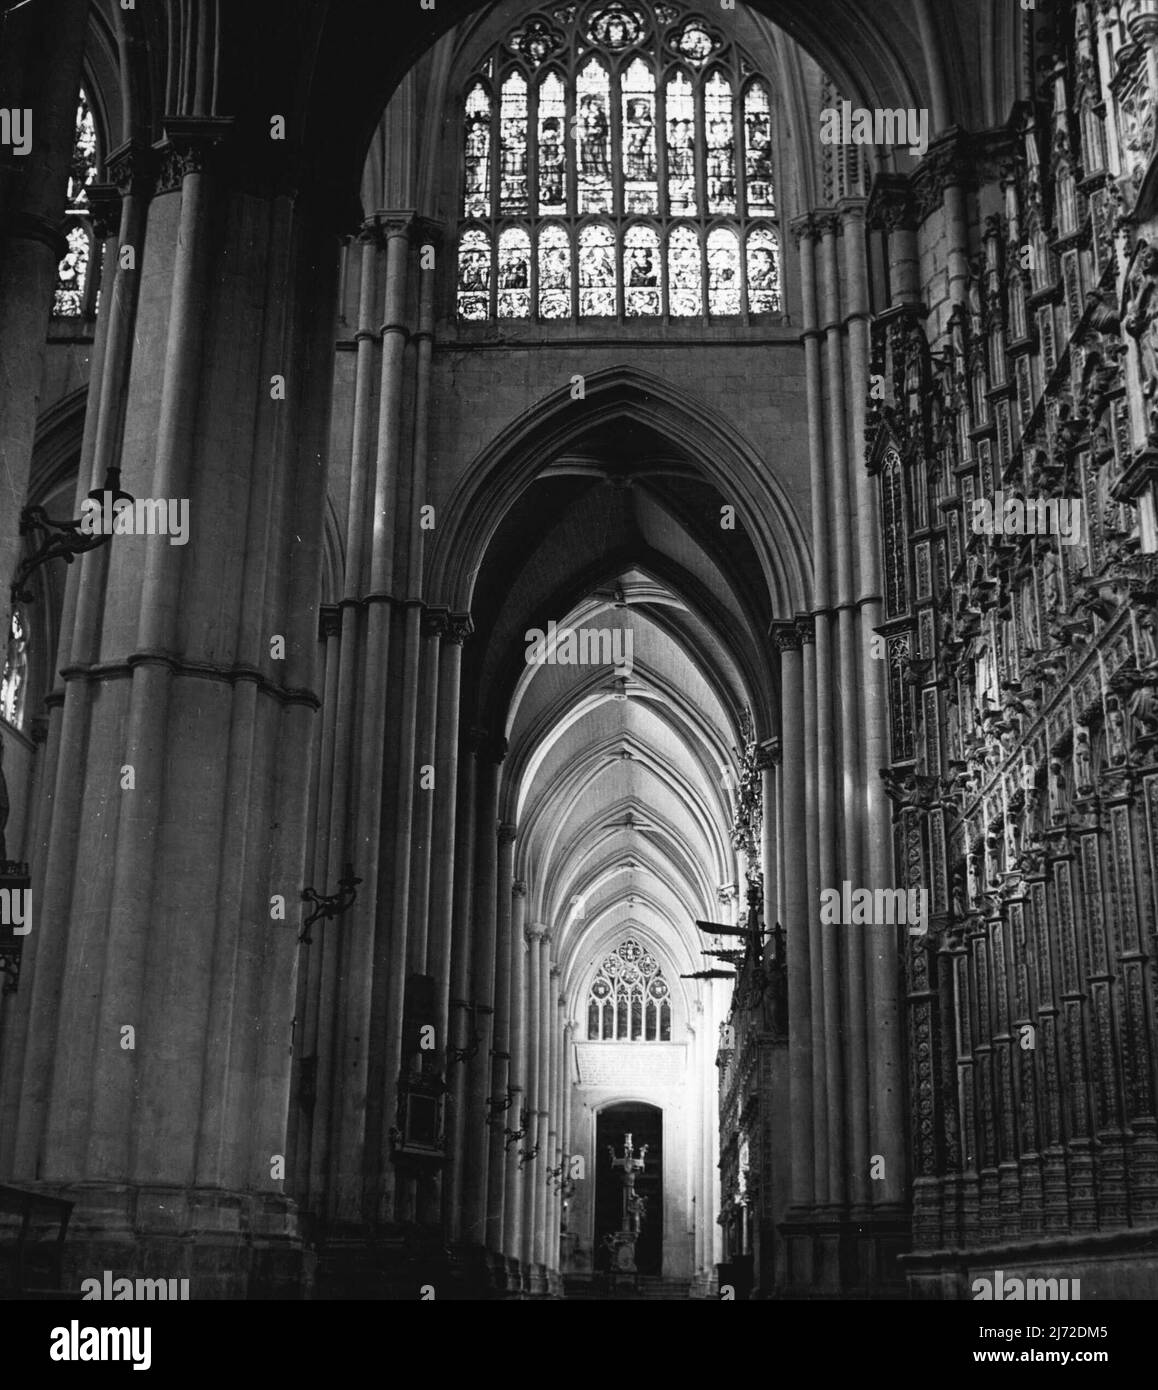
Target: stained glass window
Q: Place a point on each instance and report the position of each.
(681, 147)
(763, 271)
(640, 188)
(642, 270)
(554, 273)
(13, 685)
(721, 144)
(477, 198)
(685, 274)
(629, 999)
(513, 145)
(723, 271)
(552, 146)
(514, 274)
(71, 298)
(597, 279)
(758, 152)
(593, 138)
(627, 124)
(474, 275)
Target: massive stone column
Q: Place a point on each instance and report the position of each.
(155, 1083)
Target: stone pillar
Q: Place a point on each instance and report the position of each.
(542, 1106)
(482, 995)
(462, 1023)
(156, 1080)
(820, 985)
(501, 1047)
(444, 828)
(554, 1126)
(797, 917)
(536, 944)
(388, 718)
(768, 761)
(513, 1198)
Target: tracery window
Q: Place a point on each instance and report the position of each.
(617, 163)
(15, 680)
(629, 1000)
(73, 297)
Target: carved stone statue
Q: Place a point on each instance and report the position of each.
(1116, 733)
(1083, 761)
(1140, 319)
(1057, 791)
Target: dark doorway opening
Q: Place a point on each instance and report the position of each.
(645, 1125)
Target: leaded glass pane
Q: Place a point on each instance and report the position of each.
(642, 265)
(763, 271)
(593, 138)
(681, 147)
(640, 185)
(721, 143)
(694, 41)
(513, 145)
(723, 271)
(758, 151)
(13, 685)
(72, 273)
(477, 197)
(514, 274)
(629, 997)
(552, 146)
(83, 169)
(597, 279)
(616, 26)
(684, 274)
(474, 275)
(554, 273)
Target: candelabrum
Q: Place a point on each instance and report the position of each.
(328, 906)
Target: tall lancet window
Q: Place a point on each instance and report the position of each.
(617, 164)
(13, 686)
(629, 999)
(75, 295)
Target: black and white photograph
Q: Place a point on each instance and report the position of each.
(579, 704)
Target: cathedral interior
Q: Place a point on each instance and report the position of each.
(580, 698)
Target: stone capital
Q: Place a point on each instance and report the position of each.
(131, 168)
(104, 206)
(329, 621)
(785, 636)
(806, 626)
(519, 888)
(191, 145)
(768, 753)
(508, 833)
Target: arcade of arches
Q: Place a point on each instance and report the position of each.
(581, 584)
